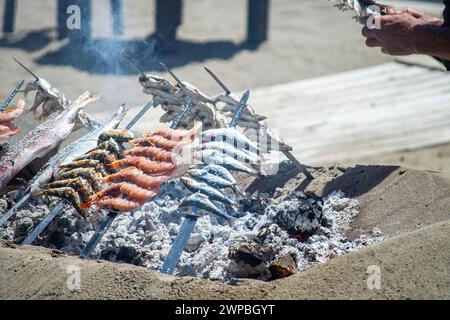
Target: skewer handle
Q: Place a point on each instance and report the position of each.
(11, 211)
(99, 233)
(178, 245)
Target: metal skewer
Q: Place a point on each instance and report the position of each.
(11, 96)
(172, 74)
(109, 219)
(221, 84)
(44, 223)
(26, 69)
(130, 61)
(285, 151)
(187, 227)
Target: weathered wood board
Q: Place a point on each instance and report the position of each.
(381, 109)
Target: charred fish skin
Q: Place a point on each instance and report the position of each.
(218, 158)
(79, 185)
(77, 148)
(89, 174)
(210, 179)
(70, 195)
(118, 135)
(202, 202)
(230, 136)
(101, 155)
(41, 140)
(207, 190)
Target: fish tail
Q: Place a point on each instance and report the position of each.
(86, 204)
(239, 192)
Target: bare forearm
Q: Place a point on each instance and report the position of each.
(434, 41)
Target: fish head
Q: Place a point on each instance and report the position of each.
(118, 135)
(31, 86)
(196, 172)
(154, 82)
(188, 182)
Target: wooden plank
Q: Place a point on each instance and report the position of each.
(366, 112)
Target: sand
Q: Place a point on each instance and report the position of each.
(414, 262)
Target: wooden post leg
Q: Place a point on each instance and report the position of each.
(82, 35)
(117, 15)
(168, 19)
(9, 16)
(258, 21)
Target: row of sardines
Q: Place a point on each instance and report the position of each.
(112, 168)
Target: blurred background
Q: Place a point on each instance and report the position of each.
(345, 119)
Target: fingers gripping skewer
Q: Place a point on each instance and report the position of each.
(189, 222)
(44, 223)
(109, 219)
(286, 152)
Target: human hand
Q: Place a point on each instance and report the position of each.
(398, 31)
(7, 118)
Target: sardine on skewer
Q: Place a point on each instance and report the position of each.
(40, 141)
(52, 100)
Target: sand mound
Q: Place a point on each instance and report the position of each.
(407, 205)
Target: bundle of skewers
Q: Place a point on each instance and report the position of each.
(78, 181)
(213, 112)
(110, 169)
(207, 180)
(145, 167)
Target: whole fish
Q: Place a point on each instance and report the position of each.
(40, 141)
(223, 173)
(74, 150)
(210, 179)
(220, 172)
(201, 201)
(240, 155)
(216, 157)
(230, 136)
(207, 190)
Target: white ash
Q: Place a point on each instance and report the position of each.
(145, 237)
